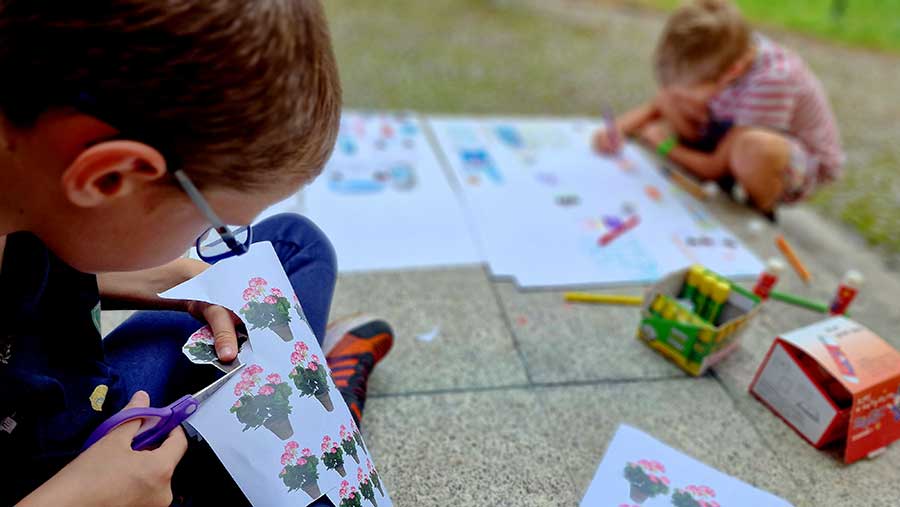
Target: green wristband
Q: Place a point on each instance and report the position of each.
(666, 147)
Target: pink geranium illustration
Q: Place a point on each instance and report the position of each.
(333, 456)
(348, 443)
(694, 496)
(350, 497)
(267, 308)
(309, 375)
(263, 402)
(300, 470)
(373, 474)
(646, 479)
(200, 346)
(365, 486)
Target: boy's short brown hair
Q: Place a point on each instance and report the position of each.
(240, 93)
(700, 41)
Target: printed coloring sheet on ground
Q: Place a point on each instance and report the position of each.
(280, 427)
(640, 471)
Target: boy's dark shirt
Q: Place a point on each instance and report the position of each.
(51, 364)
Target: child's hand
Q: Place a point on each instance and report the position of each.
(222, 322)
(655, 133)
(110, 473)
(606, 144)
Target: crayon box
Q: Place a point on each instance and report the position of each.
(695, 318)
(834, 382)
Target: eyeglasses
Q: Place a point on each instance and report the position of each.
(228, 241)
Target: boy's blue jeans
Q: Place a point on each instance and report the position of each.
(146, 351)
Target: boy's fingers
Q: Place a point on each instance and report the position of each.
(222, 323)
(173, 447)
(126, 431)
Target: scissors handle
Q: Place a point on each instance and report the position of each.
(166, 419)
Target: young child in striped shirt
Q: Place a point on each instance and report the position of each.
(733, 106)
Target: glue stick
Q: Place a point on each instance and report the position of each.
(691, 281)
(846, 291)
(704, 290)
(768, 278)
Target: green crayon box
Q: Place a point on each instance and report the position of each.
(688, 334)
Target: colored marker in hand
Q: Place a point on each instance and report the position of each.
(612, 132)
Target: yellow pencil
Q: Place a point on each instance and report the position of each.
(793, 259)
(605, 299)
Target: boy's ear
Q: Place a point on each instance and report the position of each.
(111, 170)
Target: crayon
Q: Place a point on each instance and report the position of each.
(792, 258)
(791, 299)
(606, 299)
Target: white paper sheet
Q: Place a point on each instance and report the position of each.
(272, 452)
(638, 470)
(384, 200)
(542, 203)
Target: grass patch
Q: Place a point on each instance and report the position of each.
(867, 23)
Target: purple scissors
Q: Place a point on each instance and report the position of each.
(164, 419)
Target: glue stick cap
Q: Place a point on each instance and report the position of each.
(775, 266)
(721, 290)
(694, 274)
(854, 278)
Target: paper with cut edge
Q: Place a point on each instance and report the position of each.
(274, 425)
(639, 470)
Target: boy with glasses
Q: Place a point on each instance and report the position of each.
(127, 129)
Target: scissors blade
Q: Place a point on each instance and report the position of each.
(208, 391)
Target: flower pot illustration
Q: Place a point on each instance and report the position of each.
(300, 470)
(263, 402)
(267, 308)
(283, 331)
(694, 496)
(646, 480)
(348, 444)
(350, 497)
(310, 376)
(312, 490)
(638, 495)
(333, 456)
(280, 426)
(365, 487)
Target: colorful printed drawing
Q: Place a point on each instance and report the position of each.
(365, 486)
(310, 376)
(361, 180)
(268, 406)
(333, 456)
(646, 479)
(200, 346)
(270, 311)
(348, 443)
(373, 474)
(509, 135)
(357, 436)
(694, 496)
(350, 497)
(478, 163)
(300, 471)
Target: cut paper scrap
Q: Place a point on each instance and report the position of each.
(640, 470)
(429, 336)
(268, 424)
(200, 349)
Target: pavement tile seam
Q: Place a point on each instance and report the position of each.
(508, 323)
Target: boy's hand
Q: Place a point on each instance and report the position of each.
(606, 144)
(110, 473)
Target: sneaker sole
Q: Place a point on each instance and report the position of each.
(337, 329)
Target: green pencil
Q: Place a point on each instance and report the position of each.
(791, 299)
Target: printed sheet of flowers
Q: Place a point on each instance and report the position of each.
(280, 426)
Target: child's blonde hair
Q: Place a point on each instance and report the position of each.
(240, 93)
(700, 41)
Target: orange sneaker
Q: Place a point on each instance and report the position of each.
(353, 346)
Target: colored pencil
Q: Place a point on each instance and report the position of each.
(604, 299)
(791, 256)
(791, 299)
(612, 133)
